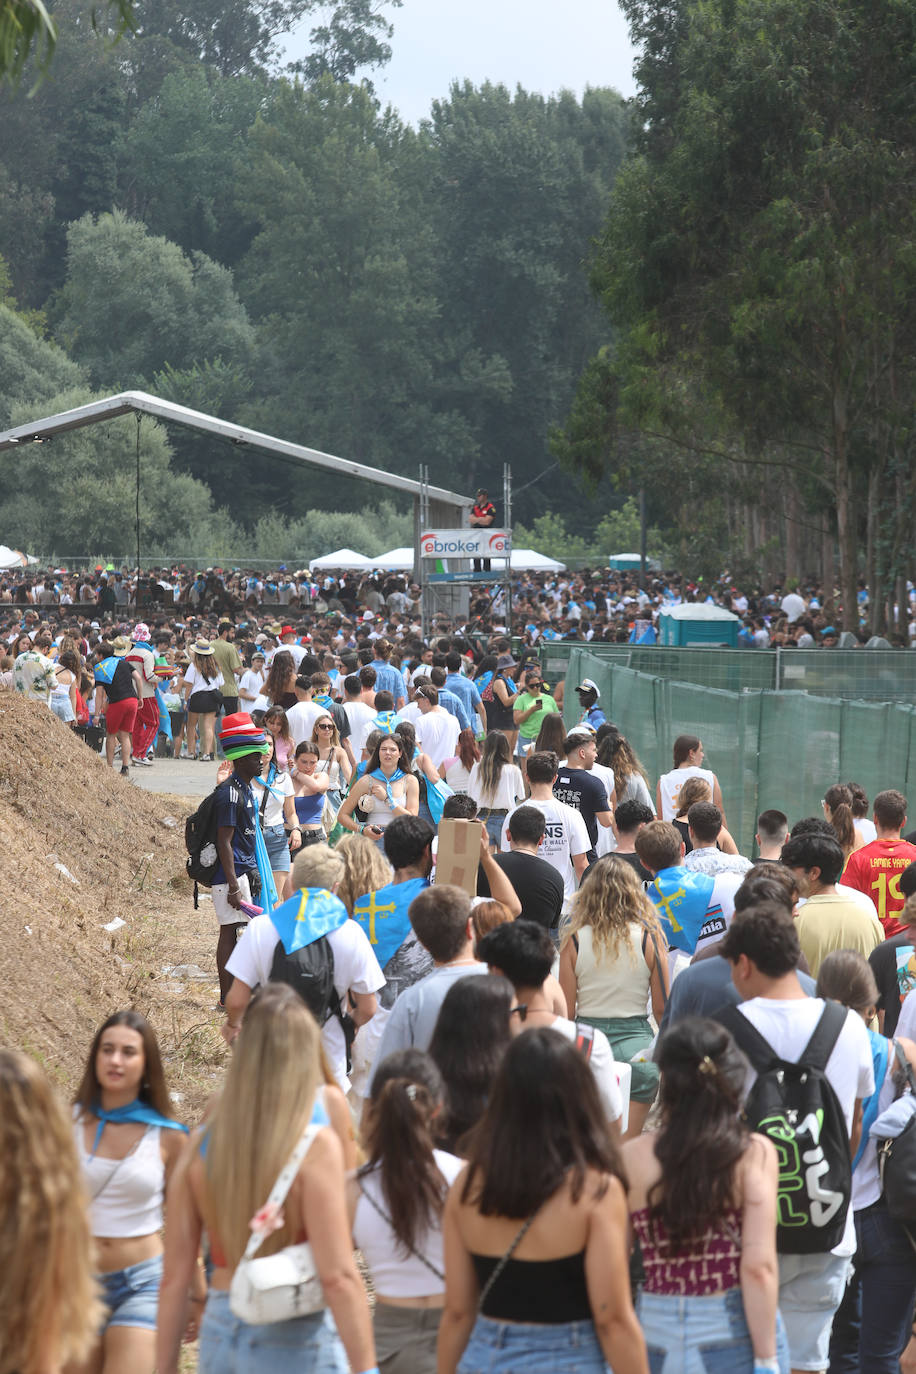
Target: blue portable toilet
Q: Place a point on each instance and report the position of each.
(695, 624)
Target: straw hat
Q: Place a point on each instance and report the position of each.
(202, 647)
(120, 646)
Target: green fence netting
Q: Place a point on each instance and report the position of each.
(767, 748)
(853, 674)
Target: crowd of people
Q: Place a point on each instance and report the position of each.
(590, 604)
(626, 1103)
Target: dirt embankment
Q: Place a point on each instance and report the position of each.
(81, 848)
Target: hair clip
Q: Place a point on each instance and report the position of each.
(411, 1091)
(706, 1065)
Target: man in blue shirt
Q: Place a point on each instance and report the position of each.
(244, 745)
(464, 688)
(452, 703)
(387, 679)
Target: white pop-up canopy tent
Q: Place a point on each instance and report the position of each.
(395, 560)
(12, 558)
(344, 560)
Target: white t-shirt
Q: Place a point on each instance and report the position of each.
(564, 837)
(670, 785)
(395, 1275)
(509, 789)
(252, 682)
(607, 840)
(281, 787)
(302, 719)
(359, 715)
(437, 734)
(601, 1062)
(356, 969)
(866, 828)
(198, 683)
(788, 1025)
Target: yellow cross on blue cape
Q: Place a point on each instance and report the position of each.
(310, 913)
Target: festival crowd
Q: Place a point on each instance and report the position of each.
(629, 1099)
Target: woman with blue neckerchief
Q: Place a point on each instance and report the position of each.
(422, 768)
(386, 789)
(128, 1144)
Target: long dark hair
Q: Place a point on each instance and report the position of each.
(282, 668)
(702, 1136)
(544, 1124)
(468, 1044)
(152, 1089)
(405, 762)
(467, 748)
(838, 799)
(552, 735)
(397, 1130)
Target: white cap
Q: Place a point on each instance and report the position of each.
(586, 685)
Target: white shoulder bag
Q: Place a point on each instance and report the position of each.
(285, 1285)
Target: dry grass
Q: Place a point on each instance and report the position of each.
(61, 972)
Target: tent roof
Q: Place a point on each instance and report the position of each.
(12, 558)
(396, 560)
(343, 559)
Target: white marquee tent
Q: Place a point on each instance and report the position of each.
(12, 558)
(520, 560)
(341, 559)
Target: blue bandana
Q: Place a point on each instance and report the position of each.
(682, 899)
(398, 773)
(132, 1111)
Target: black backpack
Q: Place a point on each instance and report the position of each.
(796, 1108)
(200, 842)
(309, 972)
(897, 1161)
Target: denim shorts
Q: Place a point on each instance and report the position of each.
(304, 1345)
(811, 1289)
(132, 1295)
(696, 1335)
(276, 842)
(537, 1348)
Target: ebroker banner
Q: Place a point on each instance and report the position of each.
(482, 543)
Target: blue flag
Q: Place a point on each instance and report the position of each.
(383, 916)
(307, 915)
(682, 900)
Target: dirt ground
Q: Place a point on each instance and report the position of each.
(81, 847)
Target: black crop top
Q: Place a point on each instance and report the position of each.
(546, 1292)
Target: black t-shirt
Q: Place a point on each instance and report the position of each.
(894, 965)
(121, 685)
(585, 792)
(642, 874)
(537, 884)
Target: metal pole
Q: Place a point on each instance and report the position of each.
(507, 576)
(642, 538)
(139, 422)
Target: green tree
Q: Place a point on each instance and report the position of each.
(132, 303)
(178, 161)
(29, 33)
(522, 185)
(87, 484)
(759, 258)
(31, 368)
(355, 37)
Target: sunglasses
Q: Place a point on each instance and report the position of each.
(325, 725)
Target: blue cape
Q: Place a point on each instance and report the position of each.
(303, 918)
(383, 916)
(681, 899)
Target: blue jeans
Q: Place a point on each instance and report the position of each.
(508, 1347)
(872, 1325)
(305, 1345)
(132, 1295)
(693, 1335)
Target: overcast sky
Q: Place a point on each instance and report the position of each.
(543, 45)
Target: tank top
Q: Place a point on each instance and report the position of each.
(499, 717)
(309, 809)
(125, 1195)
(609, 986)
(670, 785)
(394, 1273)
(712, 1265)
(332, 768)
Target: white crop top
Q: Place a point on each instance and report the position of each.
(394, 1274)
(125, 1195)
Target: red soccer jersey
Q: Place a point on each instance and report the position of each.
(875, 870)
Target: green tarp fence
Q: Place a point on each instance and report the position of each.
(767, 748)
(854, 674)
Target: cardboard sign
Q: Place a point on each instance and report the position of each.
(458, 854)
